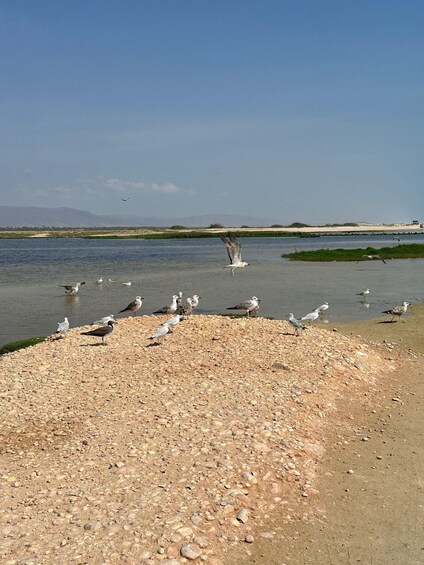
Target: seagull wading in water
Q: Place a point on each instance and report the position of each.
(102, 332)
(251, 306)
(322, 308)
(296, 324)
(233, 247)
(363, 293)
(72, 290)
(133, 306)
(397, 310)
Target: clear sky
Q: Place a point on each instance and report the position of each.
(296, 110)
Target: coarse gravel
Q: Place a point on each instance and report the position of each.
(137, 453)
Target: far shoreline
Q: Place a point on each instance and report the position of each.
(200, 232)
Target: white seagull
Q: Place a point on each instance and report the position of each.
(371, 258)
(234, 251)
(62, 327)
(296, 324)
(160, 332)
(251, 306)
(133, 306)
(70, 289)
(99, 281)
(105, 320)
(172, 322)
(195, 300)
(322, 308)
(363, 293)
(171, 309)
(127, 283)
(397, 310)
(311, 317)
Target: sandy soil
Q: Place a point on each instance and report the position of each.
(370, 506)
(207, 448)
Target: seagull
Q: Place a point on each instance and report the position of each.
(180, 300)
(363, 293)
(172, 322)
(127, 283)
(397, 310)
(111, 281)
(311, 317)
(195, 300)
(171, 309)
(322, 308)
(102, 332)
(187, 309)
(104, 321)
(100, 280)
(70, 289)
(133, 306)
(251, 306)
(234, 251)
(62, 327)
(160, 332)
(371, 258)
(125, 199)
(296, 324)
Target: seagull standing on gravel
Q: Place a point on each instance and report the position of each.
(62, 327)
(311, 317)
(195, 300)
(172, 322)
(99, 281)
(171, 309)
(133, 306)
(251, 306)
(187, 309)
(102, 332)
(127, 283)
(397, 310)
(105, 320)
(72, 290)
(233, 247)
(296, 324)
(160, 332)
(363, 293)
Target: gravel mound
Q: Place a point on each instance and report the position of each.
(141, 454)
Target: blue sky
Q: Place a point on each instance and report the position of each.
(291, 110)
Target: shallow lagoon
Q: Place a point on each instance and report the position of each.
(31, 271)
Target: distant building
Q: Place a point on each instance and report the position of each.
(415, 223)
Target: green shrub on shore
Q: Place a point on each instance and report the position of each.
(16, 345)
(411, 251)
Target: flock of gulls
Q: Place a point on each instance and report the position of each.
(181, 311)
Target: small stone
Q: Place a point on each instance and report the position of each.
(190, 551)
(249, 538)
(243, 515)
(350, 472)
(201, 541)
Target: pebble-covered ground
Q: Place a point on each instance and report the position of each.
(142, 454)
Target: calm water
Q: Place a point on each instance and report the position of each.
(31, 271)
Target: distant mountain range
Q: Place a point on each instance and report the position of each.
(38, 217)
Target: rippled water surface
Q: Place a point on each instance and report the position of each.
(31, 271)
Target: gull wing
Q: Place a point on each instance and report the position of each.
(233, 247)
(67, 286)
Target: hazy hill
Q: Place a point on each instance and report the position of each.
(38, 217)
